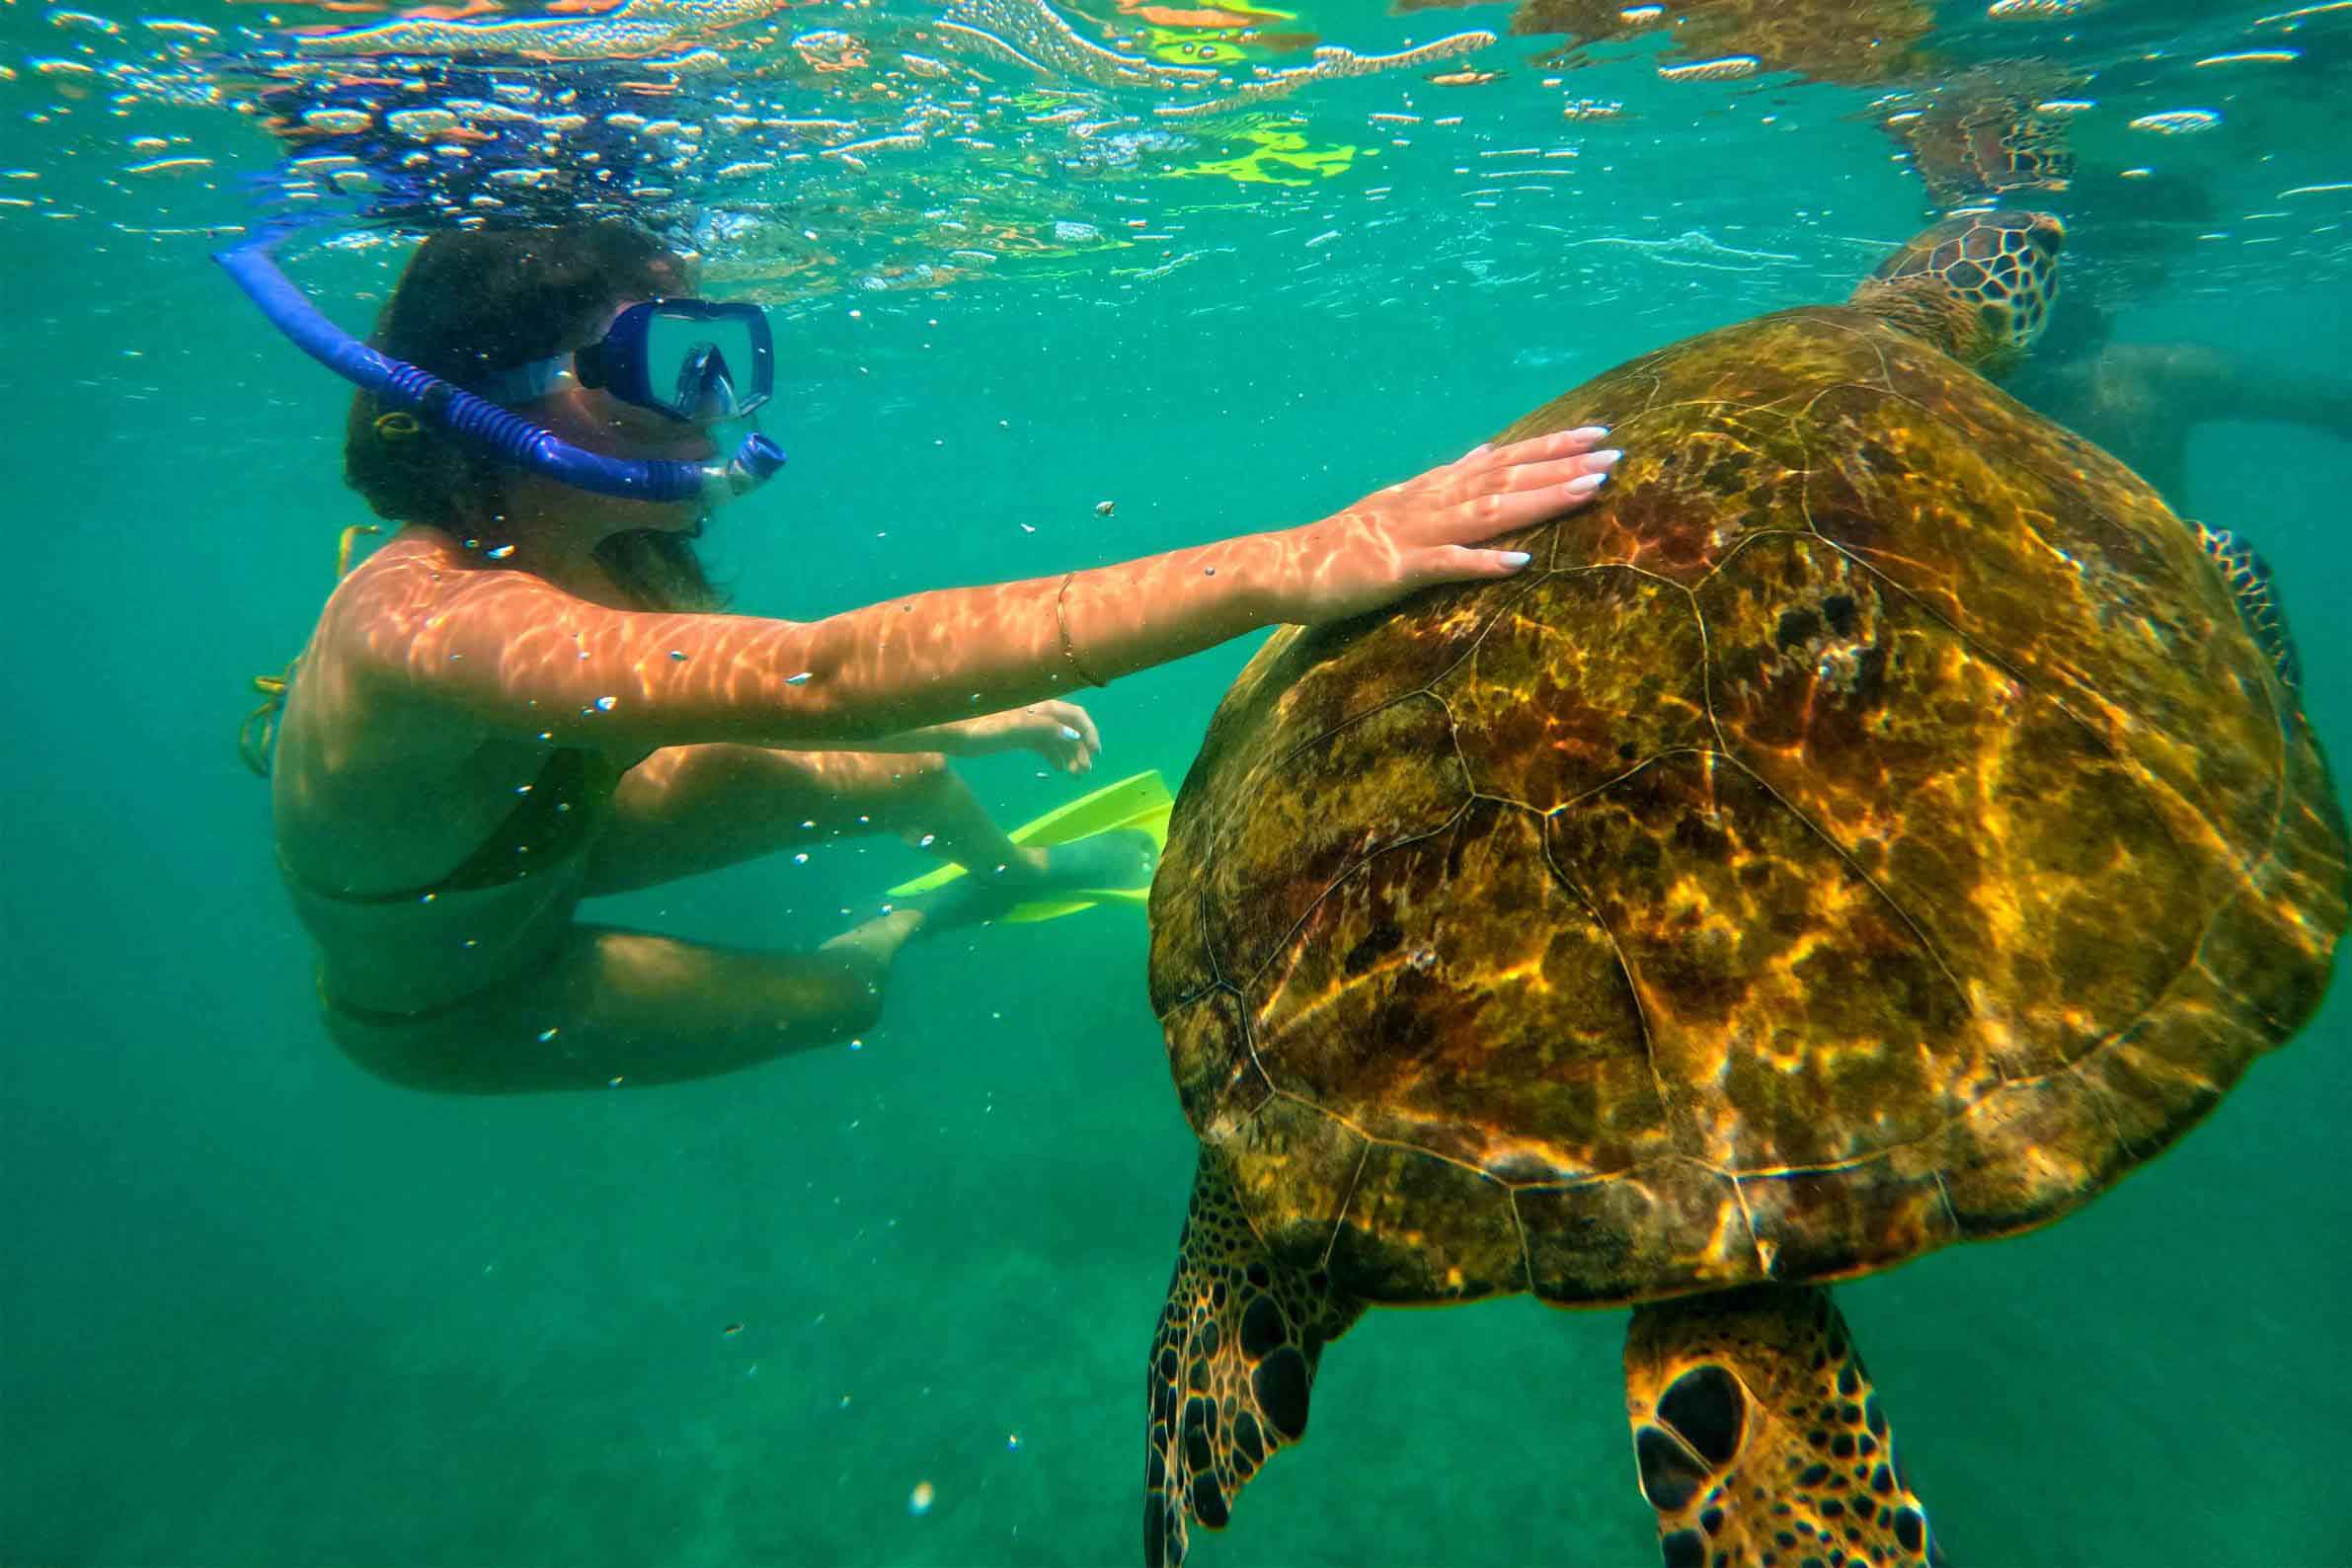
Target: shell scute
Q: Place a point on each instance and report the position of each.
(1389, 777)
(1823, 1223)
(1575, 683)
(1428, 1229)
(2097, 595)
(1792, 1014)
(1294, 1167)
(1217, 1074)
(1624, 1236)
(1961, 792)
(1506, 1031)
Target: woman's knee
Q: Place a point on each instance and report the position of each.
(846, 1003)
(918, 787)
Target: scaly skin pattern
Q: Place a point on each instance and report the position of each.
(1232, 1364)
(1760, 1441)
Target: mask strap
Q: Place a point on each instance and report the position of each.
(519, 384)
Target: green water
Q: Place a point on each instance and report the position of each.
(260, 1310)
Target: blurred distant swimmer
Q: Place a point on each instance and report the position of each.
(2142, 401)
(530, 696)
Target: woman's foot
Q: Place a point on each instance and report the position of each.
(1120, 859)
(869, 946)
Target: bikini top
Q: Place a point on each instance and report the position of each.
(549, 822)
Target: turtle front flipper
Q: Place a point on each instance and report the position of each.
(1232, 1364)
(1759, 1440)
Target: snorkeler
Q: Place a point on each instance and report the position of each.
(528, 697)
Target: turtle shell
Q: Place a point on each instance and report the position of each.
(1869, 826)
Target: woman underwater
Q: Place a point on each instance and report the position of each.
(527, 697)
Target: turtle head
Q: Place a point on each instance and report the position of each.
(1978, 287)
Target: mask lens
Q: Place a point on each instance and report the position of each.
(705, 391)
(703, 367)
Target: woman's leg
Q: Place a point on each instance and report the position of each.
(609, 1008)
(606, 1007)
(695, 809)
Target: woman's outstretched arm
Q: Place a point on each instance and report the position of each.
(528, 659)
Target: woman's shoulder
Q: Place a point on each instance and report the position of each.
(417, 547)
(420, 567)
(380, 605)
(358, 673)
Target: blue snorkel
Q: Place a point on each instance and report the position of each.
(404, 387)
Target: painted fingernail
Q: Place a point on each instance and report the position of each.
(1590, 433)
(1515, 559)
(1069, 734)
(1607, 455)
(1584, 486)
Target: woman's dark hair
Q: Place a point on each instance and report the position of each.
(478, 301)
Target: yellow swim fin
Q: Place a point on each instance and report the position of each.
(1141, 802)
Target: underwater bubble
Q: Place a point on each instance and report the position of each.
(338, 121)
(1728, 68)
(422, 124)
(2178, 121)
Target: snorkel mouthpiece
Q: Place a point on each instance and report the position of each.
(753, 464)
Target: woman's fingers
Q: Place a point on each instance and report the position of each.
(1454, 563)
(1076, 718)
(1475, 499)
(1555, 471)
(1550, 489)
(1063, 733)
(1543, 448)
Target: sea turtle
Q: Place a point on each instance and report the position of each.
(1873, 825)
(1985, 133)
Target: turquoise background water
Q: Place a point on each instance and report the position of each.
(260, 1310)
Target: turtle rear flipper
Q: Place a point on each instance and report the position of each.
(1758, 1436)
(1231, 1364)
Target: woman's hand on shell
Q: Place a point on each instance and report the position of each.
(1428, 530)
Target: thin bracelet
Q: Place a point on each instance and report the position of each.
(1061, 619)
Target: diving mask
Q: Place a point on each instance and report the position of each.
(699, 361)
